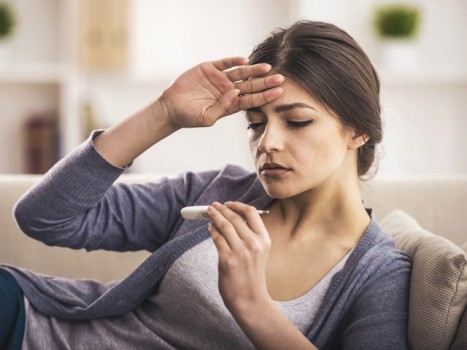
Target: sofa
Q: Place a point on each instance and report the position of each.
(427, 216)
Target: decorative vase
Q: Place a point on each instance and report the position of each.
(398, 54)
(6, 52)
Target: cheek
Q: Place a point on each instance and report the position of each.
(323, 148)
(304, 152)
(333, 153)
(253, 144)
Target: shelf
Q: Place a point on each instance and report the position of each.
(424, 75)
(33, 74)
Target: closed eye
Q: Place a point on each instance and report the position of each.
(300, 124)
(254, 126)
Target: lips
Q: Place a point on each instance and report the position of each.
(273, 170)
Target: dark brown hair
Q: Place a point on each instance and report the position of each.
(330, 65)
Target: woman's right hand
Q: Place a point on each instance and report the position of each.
(199, 97)
(211, 90)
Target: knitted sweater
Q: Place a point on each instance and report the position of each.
(77, 205)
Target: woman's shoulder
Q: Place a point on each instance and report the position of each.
(377, 249)
(237, 171)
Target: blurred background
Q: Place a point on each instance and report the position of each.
(70, 66)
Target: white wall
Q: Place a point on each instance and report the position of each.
(169, 36)
(442, 36)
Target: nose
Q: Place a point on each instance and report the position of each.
(272, 139)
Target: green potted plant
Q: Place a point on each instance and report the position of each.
(397, 26)
(397, 21)
(7, 20)
(7, 26)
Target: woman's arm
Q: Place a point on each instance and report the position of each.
(73, 206)
(198, 98)
(378, 317)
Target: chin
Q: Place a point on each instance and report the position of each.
(278, 193)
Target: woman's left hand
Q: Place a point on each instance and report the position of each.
(243, 245)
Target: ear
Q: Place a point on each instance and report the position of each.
(357, 140)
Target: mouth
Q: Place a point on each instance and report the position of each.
(273, 170)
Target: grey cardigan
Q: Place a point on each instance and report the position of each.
(77, 205)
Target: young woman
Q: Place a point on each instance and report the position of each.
(315, 272)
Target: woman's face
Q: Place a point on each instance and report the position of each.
(298, 145)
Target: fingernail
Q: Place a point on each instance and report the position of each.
(278, 78)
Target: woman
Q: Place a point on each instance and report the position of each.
(315, 272)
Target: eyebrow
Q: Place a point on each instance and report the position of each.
(284, 108)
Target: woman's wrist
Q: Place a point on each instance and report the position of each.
(268, 327)
(123, 143)
(249, 307)
(160, 115)
(252, 312)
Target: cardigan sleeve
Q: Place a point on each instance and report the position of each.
(77, 205)
(378, 317)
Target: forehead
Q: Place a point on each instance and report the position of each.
(291, 88)
(293, 94)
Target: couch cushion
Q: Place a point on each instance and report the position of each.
(460, 341)
(438, 294)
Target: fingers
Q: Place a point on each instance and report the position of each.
(246, 77)
(242, 87)
(258, 99)
(237, 222)
(219, 241)
(260, 84)
(229, 62)
(254, 91)
(232, 102)
(236, 70)
(247, 72)
(222, 229)
(250, 216)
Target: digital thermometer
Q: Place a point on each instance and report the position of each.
(200, 212)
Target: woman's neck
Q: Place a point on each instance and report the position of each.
(333, 212)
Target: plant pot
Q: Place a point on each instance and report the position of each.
(6, 52)
(399, 54)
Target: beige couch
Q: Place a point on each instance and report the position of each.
(408, 209)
